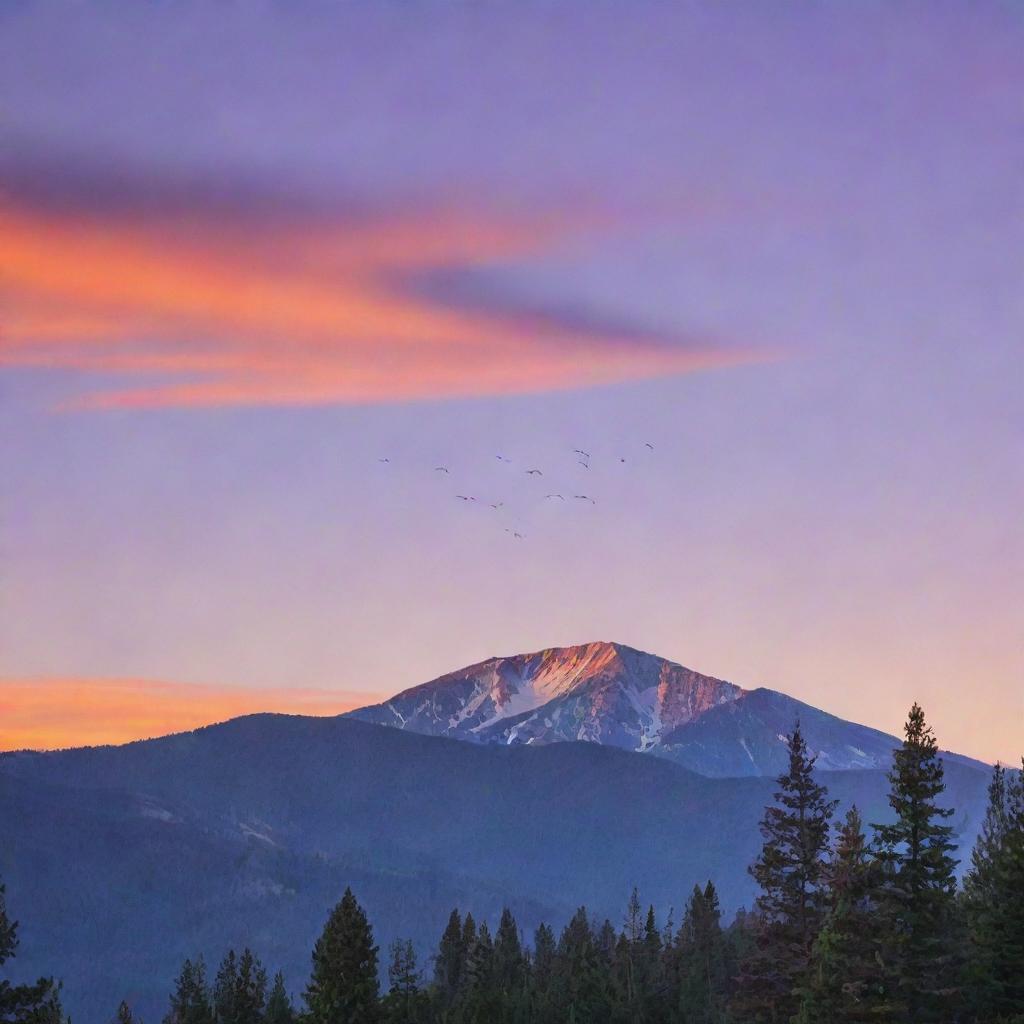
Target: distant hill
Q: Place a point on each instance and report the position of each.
(120, 861)
(616, 696)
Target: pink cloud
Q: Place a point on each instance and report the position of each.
(290, 308)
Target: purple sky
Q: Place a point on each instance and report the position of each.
(834, 196)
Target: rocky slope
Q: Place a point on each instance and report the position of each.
(614, 695)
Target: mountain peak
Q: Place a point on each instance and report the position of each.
(613, 694)
(602, 692)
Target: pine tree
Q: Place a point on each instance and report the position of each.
(622, 987)
(633, 924)
(38, 1003)
(994, 903)
(980, 896)
(240, 989)
(344, 988)
(480, 959)
(916, 898)
(468, 946)
(190, 1002)
(479, 999)
(790, 872)
(580, 983)
(842, 984)
(449, 963)
(607, 940)
(509, 961)
(124, 1015)
(279, 1006)
(651, 945)
(629, 956)
(650, 977)
(543, 1009)
(224, 986)
(700, 958)
(403, 972)
(404, 1003)
(979, 883)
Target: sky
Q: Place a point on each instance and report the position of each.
(250, 250)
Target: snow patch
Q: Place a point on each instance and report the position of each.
(159, 813)
(250, 833)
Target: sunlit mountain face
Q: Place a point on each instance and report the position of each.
(599, 692)
(614, 695)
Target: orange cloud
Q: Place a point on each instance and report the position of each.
(51, 713)
(228, 310)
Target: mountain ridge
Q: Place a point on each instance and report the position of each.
(615, 695)
(600, 691)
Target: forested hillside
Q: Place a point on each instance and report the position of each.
(830, 895)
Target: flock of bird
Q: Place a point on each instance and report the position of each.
(583, 459)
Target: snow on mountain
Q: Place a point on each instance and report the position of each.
(616, 696)
(600, 692)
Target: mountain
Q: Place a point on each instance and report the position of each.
(616, 696)
(600, 692)
(121, 861)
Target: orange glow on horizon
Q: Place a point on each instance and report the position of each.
(47, 714)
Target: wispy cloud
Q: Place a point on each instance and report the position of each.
(48, 713)
(200, 296)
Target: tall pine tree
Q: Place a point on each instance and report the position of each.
(240, 989)
(790, 872)
(479, 998)
(190, 1001)
(542, 1002)
(916, 897)
(629, 960)
(994, 903)
(279, 1005)
(980, 900)
(344, 988)
(404, 1003)
(842, 984)
(651, 977)
(509, 966)
(580, 983)
(450, 961)
(699, 957)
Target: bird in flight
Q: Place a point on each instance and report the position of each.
(580, 451)
(383, 460)
(534, 472)
(622, 460)
(585, 497)
(440, 469)
(513, 532)
(585, 465)
(463, 497)
(501, 458)
(649, 445)
(498, 505)
(559, 496)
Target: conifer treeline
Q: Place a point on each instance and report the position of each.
(846, 928)
(854, 923)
